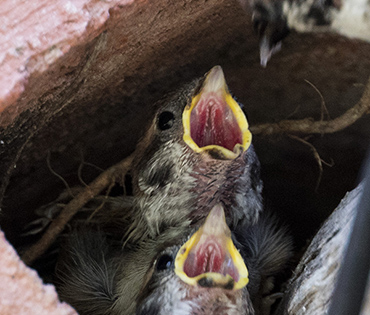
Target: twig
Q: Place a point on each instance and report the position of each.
(48, 163)
(79, 171)
(323, 105)
(316, 156)
(308, 126)
(93, 165)
(57, 226)
(294, 111)
(103, 203)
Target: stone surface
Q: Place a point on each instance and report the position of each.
(22, 291)
(36, 34)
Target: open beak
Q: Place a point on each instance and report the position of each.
(214, 121)
(209, 258)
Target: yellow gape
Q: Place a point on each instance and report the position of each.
(233, 121)
(230, 273)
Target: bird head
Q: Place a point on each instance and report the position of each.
(205, 275)
(202, 115)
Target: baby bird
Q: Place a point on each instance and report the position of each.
(211, 275)
(184, 271)
(196, 153)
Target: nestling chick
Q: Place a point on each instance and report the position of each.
(196, 153)
(206, 275)
(178, 273)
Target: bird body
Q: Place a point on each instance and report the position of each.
(97, 276)
(265, 248)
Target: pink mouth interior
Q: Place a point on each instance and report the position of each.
(212, 122)
(210, 256)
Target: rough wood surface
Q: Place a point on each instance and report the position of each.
(311, 287)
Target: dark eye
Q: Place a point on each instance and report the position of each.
(165, 120)
(164, 262)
